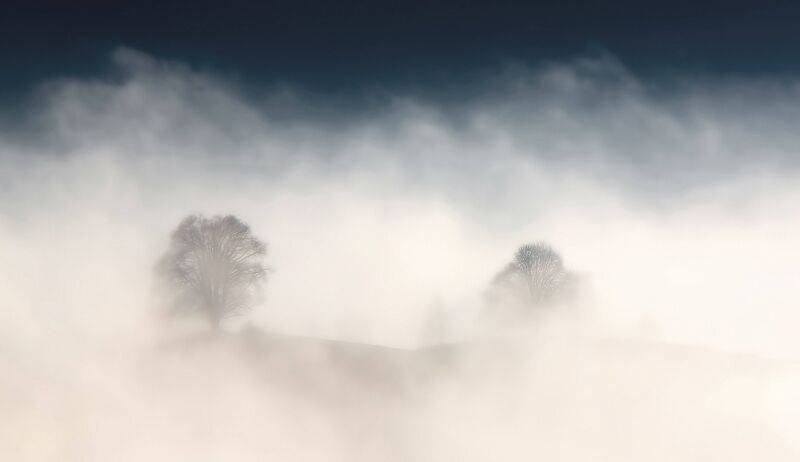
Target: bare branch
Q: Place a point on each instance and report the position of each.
(214, 265)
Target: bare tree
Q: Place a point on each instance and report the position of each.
(213, 266)
(535, 277)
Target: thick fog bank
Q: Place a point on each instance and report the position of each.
(675, 201)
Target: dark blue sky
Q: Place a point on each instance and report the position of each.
(335, 46)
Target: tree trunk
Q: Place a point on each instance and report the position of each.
(216, 322)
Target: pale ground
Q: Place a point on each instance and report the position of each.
(253, 396)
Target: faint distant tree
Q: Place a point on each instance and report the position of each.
(213, 267)
(535, 277)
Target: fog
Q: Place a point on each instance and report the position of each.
(675, 199)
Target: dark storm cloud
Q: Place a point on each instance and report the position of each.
(343, 47)
(589, 116)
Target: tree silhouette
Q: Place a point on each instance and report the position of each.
(213, 267)
(535, 277)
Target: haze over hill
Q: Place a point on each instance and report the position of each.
(676, 204)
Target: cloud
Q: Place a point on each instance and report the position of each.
(562, 152)
(676, 196)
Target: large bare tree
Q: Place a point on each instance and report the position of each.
(214, 266)
(535, 277)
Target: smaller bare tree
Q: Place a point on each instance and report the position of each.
(535, 277)
(213, 266)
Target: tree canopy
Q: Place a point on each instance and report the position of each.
(214, 266)
(535, 277)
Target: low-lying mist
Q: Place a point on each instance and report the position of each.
(675, 201)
